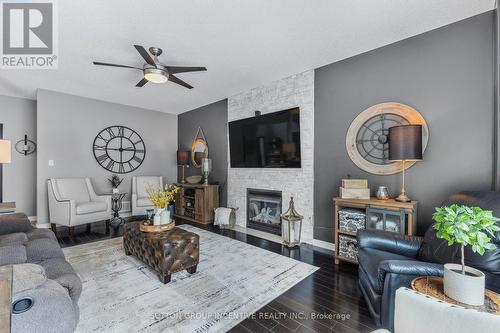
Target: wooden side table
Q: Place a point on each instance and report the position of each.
(433, 286)
(5, 298)
(349, 237)
(7, 207)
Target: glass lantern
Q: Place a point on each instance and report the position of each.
(291, 226)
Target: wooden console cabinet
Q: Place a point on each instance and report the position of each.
(196, 203)
(409, 227)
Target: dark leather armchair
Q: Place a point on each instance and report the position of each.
(388, 261)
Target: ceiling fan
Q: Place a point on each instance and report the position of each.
(154, 71)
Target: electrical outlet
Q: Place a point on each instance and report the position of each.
(51, 163)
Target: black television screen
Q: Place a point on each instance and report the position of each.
(268, 141)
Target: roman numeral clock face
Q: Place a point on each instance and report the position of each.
(119, 149)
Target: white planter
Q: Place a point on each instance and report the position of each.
(464, 288)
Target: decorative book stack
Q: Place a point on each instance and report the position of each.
(354, 189)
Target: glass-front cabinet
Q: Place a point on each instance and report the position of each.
(386, 219)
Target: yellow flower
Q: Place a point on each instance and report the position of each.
(161, 198)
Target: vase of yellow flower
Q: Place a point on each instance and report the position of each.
(161, 198)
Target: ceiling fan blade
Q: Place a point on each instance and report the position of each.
(113, 65)
(142, 82)
(179, 81)
(145, 55)
(177, 69)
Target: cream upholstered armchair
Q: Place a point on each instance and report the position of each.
(73, 201)
(416, 313)
(140, 201)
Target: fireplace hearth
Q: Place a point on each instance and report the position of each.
(264, 210)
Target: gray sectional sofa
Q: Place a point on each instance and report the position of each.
(40, 274)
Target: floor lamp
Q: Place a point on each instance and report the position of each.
(5, 157)
(405, 144)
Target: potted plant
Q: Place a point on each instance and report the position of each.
(467, 226)
(161, 199)
(115, 181)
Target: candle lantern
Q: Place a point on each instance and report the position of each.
(206, 168)
(291, 226)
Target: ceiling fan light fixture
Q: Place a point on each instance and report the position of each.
(156, 75)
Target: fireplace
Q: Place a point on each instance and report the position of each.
(264, 210)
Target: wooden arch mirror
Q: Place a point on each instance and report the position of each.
(199, 148)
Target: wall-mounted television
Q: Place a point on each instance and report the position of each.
(271, 140)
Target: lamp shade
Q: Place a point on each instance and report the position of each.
(5, 151)
(183, 157)
(405, 143)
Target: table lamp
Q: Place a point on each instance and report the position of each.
(183, 161)
(405, 144)
(5, 151)
(5, 156)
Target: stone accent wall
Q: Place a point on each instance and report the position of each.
(293, 91)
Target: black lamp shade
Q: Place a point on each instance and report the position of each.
(405, 143)
(183, 157)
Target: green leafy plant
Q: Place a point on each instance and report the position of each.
(466, 225)
(115, 181)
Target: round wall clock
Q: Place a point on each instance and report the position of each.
(367, 138)
(119, 149)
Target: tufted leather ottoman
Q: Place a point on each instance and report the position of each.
(166, 252)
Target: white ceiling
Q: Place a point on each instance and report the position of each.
(243, 43)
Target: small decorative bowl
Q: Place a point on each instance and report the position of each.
(194, 179)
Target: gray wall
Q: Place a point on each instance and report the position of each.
(67, 126)
(19, 177)
(213, 120)
(447, 75)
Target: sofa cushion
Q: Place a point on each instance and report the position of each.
(41, 249)
(369, 260)
(144, 202)
(27, 276)
(15, 238)
(52, 310)
(17, 222)
(60, 270)
(12, 254)
(37, 233)
(91, 207)
(73, 189)
(143, 182)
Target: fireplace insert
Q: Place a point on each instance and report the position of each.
(264, 210)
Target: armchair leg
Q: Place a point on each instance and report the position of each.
(87, 227)
(107, 226)
(71, 231)
(54, 228)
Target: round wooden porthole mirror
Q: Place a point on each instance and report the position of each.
(367, 137)
(199, 148)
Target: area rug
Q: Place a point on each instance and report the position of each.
(234, 279)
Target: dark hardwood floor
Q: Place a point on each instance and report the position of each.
(326, 301)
